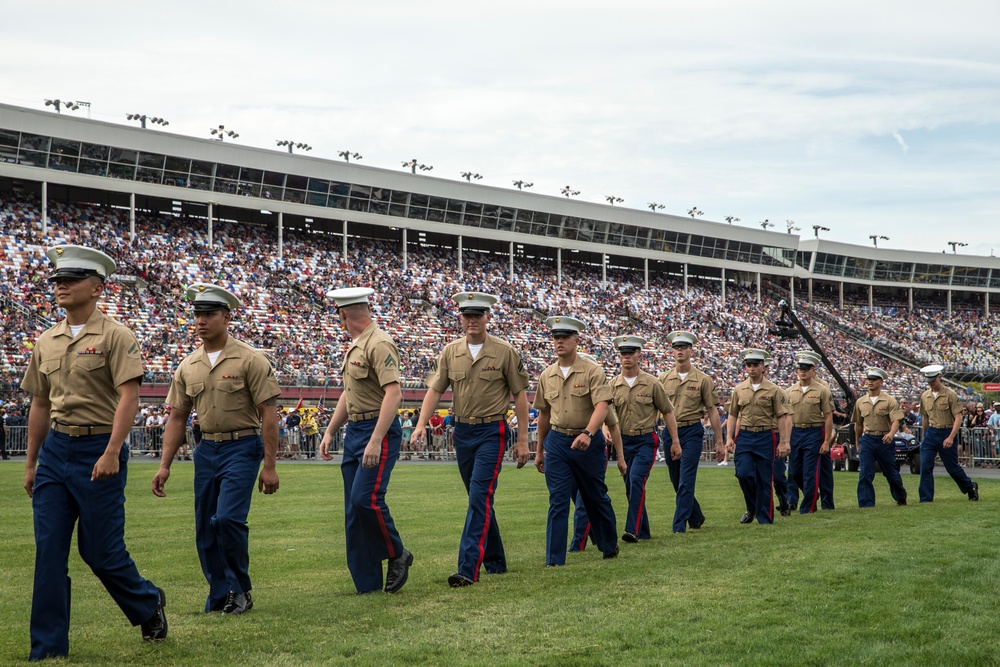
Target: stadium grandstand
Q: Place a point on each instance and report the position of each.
(281, 229)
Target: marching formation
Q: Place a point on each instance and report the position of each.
(84, 376)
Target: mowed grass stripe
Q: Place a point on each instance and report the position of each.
(894, 585)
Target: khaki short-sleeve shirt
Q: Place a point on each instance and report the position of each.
(481, 387)
(940, 412)
(761, 408)
(81, 375)
(371, 362)
(226, 395)
(638, 406)
(693, 396)
(812, 406)
(877, 417)
(570, 401)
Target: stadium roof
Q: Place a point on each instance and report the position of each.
(40, 146)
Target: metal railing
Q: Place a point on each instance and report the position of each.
(977, 447)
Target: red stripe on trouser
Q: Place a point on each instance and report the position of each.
(642, 503)
(583, 540)
(375, 507)
(770, 495)
(489, 505)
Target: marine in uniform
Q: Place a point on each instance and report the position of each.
(84, 377)
(234, 390)
(876, 419)
(692, 394)
(812, 432)
(639, 398)
(483, 372)
(763, 413)
(572, 402)
(369, 407)
(941, 413)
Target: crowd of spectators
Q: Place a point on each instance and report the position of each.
(285, 311)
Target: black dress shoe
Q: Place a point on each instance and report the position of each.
(747, 518)
(459, 580)
(611, 554)
(974, 493)
(155, 629)
(785, 511)
(902, 501)
(695, 525)
(237, 603)
(629, 537)
(398, 571)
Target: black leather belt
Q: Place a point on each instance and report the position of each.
(756, 429)
(230, 436)
(480, 420)
(80, 431)
(363, 416)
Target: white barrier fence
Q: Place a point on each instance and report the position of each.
(977, 447)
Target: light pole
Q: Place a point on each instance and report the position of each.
(468, 175)
(142, 118)
(221, 133)
(347, 155)
(764, 224)
(414, 164)
(290, 143)
(731, 219)
(695, 212)
(520, 185)
(59, 105)
(80, 103)
(654, 207)
(956, 244)
(876, 238)
(569, 192)
(611, 199)
(820, 228)
(790, 224)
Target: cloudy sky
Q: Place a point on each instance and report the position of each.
(865, 117)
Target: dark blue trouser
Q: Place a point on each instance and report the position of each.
(871, 449)
(826, 481)
(224, 476)
(370, 532)
(63, 493)
(479, 450)
(804, 467)
(794, 482)
(781, 486)
(565, 467)
(683, 474)
(581, 524)
(754, 459)
(933, 445)
(640, 452)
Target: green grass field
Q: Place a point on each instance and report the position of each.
(911, 585)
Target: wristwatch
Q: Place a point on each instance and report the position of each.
(588, 433)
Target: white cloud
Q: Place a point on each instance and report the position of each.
(773, 109)
(899, 138)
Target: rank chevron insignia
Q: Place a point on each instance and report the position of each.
(390, 361)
